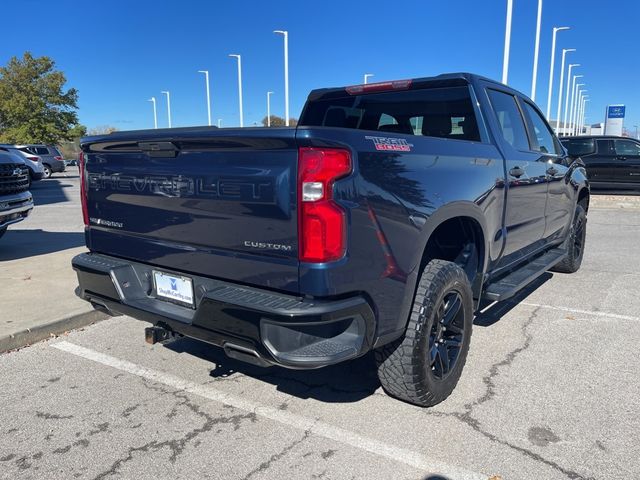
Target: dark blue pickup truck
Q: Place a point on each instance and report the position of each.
(382, 222)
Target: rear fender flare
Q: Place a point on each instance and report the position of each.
(447, 212)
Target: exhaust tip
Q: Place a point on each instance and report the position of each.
(244, 354)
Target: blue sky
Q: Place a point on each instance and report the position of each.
(120, 53)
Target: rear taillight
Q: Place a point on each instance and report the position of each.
(59, 158)
(83, 189)
(322, 228)
(33, 158)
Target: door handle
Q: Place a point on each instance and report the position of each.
(516, 172)
(552, 171)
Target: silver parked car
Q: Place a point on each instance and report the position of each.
(33, 162)
(51, 157)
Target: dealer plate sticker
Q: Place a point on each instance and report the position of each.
(174, 287)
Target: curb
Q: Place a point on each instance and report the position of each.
(30, 336)
(615, 201)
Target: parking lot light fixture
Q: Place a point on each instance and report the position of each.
(285, 34)
(566, 99)
(269, 108)
(576, 108)
(551, 67)
(239, 58)
(536, 51)
(578, 128)
(206, 79)
(564, 53)
(574, 100)
(585, 99)
(168, 106)
(584, 108)
(155, 112)
(507, 43)
(366, 76)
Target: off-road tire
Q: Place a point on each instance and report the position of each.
(405, 367)
(575, 243)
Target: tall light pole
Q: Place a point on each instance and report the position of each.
(564, 53)
(584, 107)
(574, 101)
(578, 129)
(507, 43)
(206, 79)
(366, 76)
(235, 55)
(566, 100)
(553, 61)
(574, 105)
(285, 34)
(168, 106)
(535, 52)
(269, 108)
(578, 110)
(155, 112)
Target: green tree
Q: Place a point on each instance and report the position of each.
(102, 130)
(277, 121)
(71, 148)
(34, 106)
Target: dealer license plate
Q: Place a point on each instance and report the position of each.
(174, 287)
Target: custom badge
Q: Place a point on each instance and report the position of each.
(390, 144)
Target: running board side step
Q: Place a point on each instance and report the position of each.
(509, 285)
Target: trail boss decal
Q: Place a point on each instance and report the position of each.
(390, 144)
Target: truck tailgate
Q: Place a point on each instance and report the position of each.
(217, 203)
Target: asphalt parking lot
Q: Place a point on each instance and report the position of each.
(551, 390)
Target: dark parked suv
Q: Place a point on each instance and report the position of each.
(612, 163)
(51, 157)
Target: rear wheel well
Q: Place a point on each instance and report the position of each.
(459, 240)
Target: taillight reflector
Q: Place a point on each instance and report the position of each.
(321, 221)
(83, 189)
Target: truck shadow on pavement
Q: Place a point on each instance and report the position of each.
(52, 190)
(17, 244)
(491, 314)
(344, 383)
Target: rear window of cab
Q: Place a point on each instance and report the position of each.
(444, 112)
(579, 146)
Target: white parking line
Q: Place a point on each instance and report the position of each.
(408, 457)
(594, 313)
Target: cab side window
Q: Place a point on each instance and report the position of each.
(509, 119)
(605, 147)
(544, 140)
(626, 147)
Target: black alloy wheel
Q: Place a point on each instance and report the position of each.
(447, 333)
